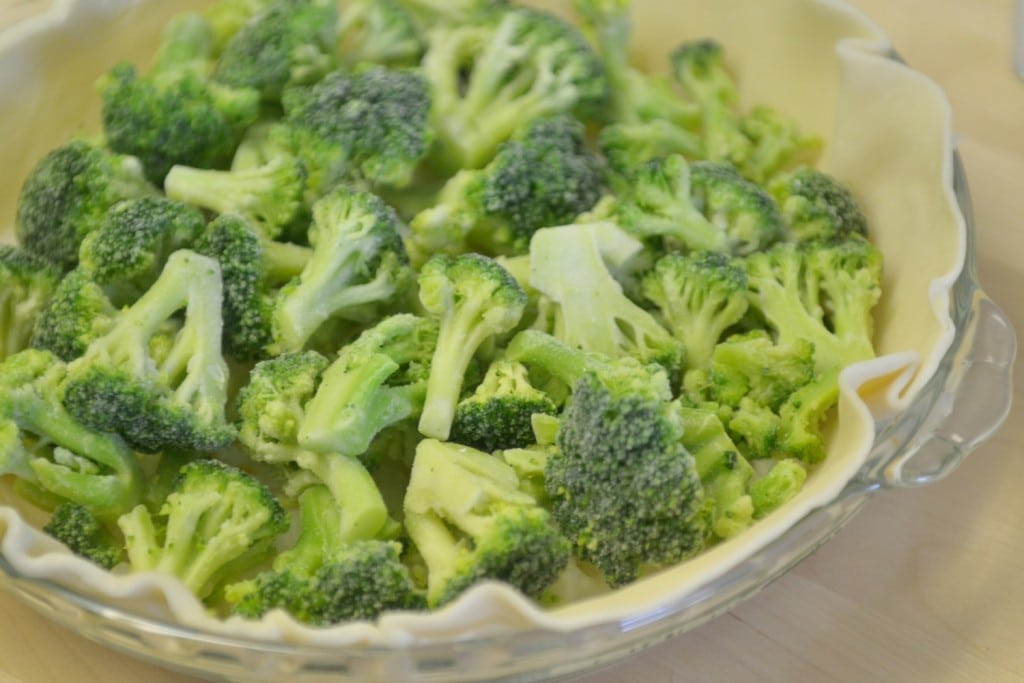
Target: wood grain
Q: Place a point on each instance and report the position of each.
(923, 585)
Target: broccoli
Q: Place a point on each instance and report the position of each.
(543, 176)
(700, 295)
(289, 42)
(474, 299)
(377, 381)
(76, 527)
(227, 17)
(27, 284)
(174, 114)
(379, 32)
(622, 486)
(499, 414)
(592, 311)
(822, 293)
(783, 481)
(215, 519)
(702, 206)
(801, 417)
(777, 144)
(358, 260)
(328, 577)
(78, 313)
(431, 12)
(470, 522)
(628, 146)
(67, 195)
(42, 444)
(370, 126)
(816, 206)
(156, 382)
(489, 77)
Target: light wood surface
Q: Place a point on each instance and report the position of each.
(923, 585)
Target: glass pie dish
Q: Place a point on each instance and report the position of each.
(939, 386)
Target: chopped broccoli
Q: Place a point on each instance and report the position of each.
(27, 284)
(777, 144)
(816, 206)
(227, 17)
(377, 381)
(367, 126)
(41, 443)
(157, 384)
(174, 114)
(358, 260)
(216, 518)
(431, 12)
(801, 417)
(592, 311)
(470, 523)
(67, 195)
(499, 414)
(78, 313)
(76, 527)
(783, 481)
(700, 296)
(379, 32)
(291, 41)
(489, 77)
(474, 299)
(628, 146)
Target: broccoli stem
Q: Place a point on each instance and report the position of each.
(363, 511)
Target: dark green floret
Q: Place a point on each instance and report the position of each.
(27, 284)
(816, 206)
(174, 114)
(84, 535)
(67, 195)
(503, 535)
(78, 313)
(216, 520)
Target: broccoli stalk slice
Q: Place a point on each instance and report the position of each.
(283, 261)
(362, 507)
(320, 536)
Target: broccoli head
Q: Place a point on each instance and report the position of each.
(816, 206)
(79, 312)
(76, 527)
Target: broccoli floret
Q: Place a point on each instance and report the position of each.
(156, 382)
(291, 41)
(783, 481)
(363, 580)
(543, 176)
(174, 114)
(216, 518)
(270, 196)
(816, 206)
(622, 486)
(470, 522)
(592, 312)
(377, 381)
(474, 299)
(801, 417)
(489, 77)
(499, 414)
(628, 146)
(78, 313)
(127, 253)
(431, 12)
(84, 535)
(777, 143)
(27, 284)
(368, 126)
(700, 296)
(358, 260)
(227, 17)
(67, 195)
(822, 293)
(379, 32)
(42, 444)
(742, 210)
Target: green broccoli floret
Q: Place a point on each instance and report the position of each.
(157, 382)
(701, 206)
(327, 578)
(174, 114)
(67, 195)
(270, 196)
(27, 284)
(358, 260)
(227, 17)
(816, 206)
(291, 41)
(379, 32)
(431, 12)
(76, 527)
(369, 126)
(622, 486)
(777, 143)
(44, 445)
(543, 176)
(474, 299)
(78, 313)
(378, 380)
(490, 77)
(700, 296)
(783, 481)
(592, 312)
(628, 146)
(802, 415)
(822, 293)
(499, 414)
(215, 519)
(470, 523)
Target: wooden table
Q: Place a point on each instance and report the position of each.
(923, 585)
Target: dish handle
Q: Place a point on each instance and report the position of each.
(972, 404)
